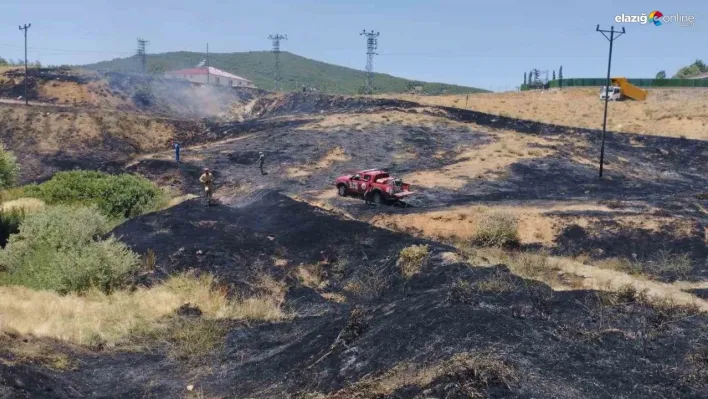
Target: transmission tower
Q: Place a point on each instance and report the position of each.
(371, 45)
(276, 49)
(141, 53)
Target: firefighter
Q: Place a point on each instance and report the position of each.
(261, 160)
(176, 145)
(207, 180)
(367, 194)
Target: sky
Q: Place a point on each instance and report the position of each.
(486, 44)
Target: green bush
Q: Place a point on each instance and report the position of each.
(497, 230)
(116, 196)
(9, 169)
(60, 249)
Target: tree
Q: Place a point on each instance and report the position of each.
(531, 76)
(524, 77)
(157, 68)
(560, 73)
(9, 169)
(3, 62)
(554, 74)
(661, 74)
(696, 68)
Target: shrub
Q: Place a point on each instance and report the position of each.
(116, 196)
(497, 230)
(59, 249)
(671, 265)
(411, 259)
(9, 169)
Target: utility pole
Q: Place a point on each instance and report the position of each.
(276, 50)
(371, 45)
(141, 53)
(611, 38)
(25, 28)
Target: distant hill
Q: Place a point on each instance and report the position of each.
(259, 67)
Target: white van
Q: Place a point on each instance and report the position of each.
(614, 93)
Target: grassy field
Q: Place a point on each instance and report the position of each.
(666, 112)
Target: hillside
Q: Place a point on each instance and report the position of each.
(258, 66)
(673, 112)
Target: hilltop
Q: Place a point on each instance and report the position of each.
(258, 66)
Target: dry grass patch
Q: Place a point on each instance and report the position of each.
(10, 194)
(461, 222)
(180, 199)
(671, 112)
(26, 205)
(497, 229)
(619, 264)
(189, 341)
(85, 319)
(488, 161)
(665, 263)
(475, 373)
(412, 259)
(367, 121)
(30, 350)
(311, 276)
(369, 281)
(333, 156)
(334, 297)
(497, 283)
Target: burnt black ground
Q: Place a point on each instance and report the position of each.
(565, 345)
(669, 172)
(560, 344)
(237, 242)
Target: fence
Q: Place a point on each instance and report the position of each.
(589, 82)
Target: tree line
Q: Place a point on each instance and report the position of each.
(19, 62)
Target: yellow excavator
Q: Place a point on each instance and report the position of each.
(622, 89)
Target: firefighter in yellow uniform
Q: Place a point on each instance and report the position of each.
(207, 180)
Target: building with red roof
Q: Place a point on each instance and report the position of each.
(209, 75)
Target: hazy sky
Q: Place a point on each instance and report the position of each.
(484, 44)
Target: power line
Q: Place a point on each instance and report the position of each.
(611, 38)
(276, 49)
(372, 43)
(141, 53)
(26, 28)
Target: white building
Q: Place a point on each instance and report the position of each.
(209, 75)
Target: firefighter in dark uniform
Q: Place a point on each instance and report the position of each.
(261, 160)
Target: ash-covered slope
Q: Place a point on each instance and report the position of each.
(236, 242)
(452, 330)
